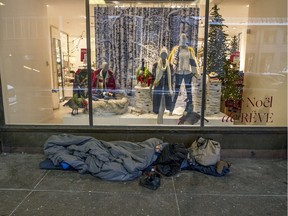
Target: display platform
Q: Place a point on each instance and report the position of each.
(139, 119)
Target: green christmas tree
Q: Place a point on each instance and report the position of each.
(232, 86)
(233, 45)
(217, 43)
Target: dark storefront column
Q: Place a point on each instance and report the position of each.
(2, 118)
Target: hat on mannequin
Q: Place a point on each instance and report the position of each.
(164, 53)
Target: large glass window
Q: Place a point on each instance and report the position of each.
(247, 63)
(40, 55)
(147, 62)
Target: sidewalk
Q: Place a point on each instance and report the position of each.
(253, 187)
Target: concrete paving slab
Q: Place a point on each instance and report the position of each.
(20, 170)
(10, 199)
(228, 205)
(73, 181)
(98, 204)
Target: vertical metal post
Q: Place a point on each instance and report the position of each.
(203, 104)
(89, 70)
(2, 114)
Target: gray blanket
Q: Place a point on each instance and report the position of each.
(115, 160)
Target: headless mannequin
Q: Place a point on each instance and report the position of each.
(103, 82)
(181, 57)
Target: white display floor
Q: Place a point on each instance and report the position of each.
(141, 119)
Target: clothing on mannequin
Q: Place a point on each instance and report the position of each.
(185, 65)
(80, 83)
(162, 86)
(103, 81)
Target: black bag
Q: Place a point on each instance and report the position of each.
(169, 162)
(150, 180)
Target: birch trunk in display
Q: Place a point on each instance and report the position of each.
(197, 95)
(213, 96)
(143, 99)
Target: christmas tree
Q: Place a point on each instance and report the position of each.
(217, 47)
(232, 86)
(233, 45)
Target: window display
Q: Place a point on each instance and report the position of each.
(126, 35)
(134, 36)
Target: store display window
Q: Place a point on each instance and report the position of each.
(144, 63)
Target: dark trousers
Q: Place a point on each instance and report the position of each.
(208, 170)
(188, 86)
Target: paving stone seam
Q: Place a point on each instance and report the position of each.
(139, 193)
(28, 194)
(40, 177)
(15, 189)
(176, 198)
(237, 195)
(77, 191)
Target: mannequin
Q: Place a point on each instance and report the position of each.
(162, 91)
(103, 81)
(185, 66)
(80, 83)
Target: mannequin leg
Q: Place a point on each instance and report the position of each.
(161, 110)
(188, 87)
(178, 82)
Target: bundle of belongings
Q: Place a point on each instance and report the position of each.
(124, 160)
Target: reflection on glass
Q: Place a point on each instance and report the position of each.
(11, 95)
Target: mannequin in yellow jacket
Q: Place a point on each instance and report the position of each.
(185, 66)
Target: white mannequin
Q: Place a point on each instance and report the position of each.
(162, 91)
(182, 57)
(103, 75)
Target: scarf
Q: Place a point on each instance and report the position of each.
(161, 69)
(104, 80)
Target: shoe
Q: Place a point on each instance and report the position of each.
(220, 165)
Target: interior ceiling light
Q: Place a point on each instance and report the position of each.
(97, 2)
(2, 4)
